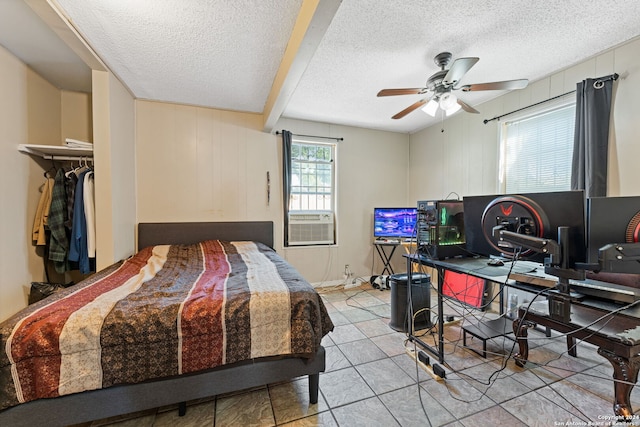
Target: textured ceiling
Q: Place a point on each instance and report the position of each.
(216, 53)
(226, 54)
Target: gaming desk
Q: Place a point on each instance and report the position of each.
(476, 267)
(603, 323)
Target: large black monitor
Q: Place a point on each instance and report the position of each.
(533, 214)
(611, 220)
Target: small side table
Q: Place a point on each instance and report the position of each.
(386, 256)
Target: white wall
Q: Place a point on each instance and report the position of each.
(464, 158)
(200, 164)
(114, 152)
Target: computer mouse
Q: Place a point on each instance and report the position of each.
(494, 262)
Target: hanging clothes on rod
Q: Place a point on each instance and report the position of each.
(83, 230)
(65, 218)
(79, 246)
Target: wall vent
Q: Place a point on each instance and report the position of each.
(311, 228)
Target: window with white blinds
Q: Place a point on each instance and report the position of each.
(536, 151)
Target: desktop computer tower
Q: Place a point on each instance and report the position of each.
(440, 229)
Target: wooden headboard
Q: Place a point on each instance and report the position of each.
(173, 233)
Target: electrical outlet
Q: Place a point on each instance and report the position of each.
(347, 274)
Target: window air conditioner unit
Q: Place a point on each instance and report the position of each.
(311, 228)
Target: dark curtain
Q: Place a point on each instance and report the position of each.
(591, 138)
(286, 181)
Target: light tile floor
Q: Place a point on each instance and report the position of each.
(370, 380)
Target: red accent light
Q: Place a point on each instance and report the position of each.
(464, 288)
(506, 210)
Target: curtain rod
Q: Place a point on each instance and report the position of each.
(313, 136)
(613, 76)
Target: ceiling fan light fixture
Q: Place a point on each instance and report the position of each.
(431, 107)
(453, 109)
(441, 84)
(448, 101)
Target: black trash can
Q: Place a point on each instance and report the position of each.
(420, 298)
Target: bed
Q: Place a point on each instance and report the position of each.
(118, 363)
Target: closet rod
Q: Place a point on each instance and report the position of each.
(313, 136)
(67, 158)
(613, 76)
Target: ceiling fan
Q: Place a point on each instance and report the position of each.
(440, 86)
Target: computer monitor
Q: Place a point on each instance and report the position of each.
(394, 223)
(611, 220)
(533, 214)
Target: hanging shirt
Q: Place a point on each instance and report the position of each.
(58, 242)
(78, 245)
(90, 213)
(71, 181)
(42, 213)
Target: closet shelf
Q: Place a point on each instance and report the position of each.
(56, 152)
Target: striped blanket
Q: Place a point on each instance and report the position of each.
(166, 311)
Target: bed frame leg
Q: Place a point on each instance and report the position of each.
(314, 383)
(182, 409)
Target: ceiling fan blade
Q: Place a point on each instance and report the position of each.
(505, 85)
(410, 108)
(466, 107)
(458, 69)
(405, 91)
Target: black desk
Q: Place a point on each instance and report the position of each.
(478, 267)
(474, 267)
(615, 334)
